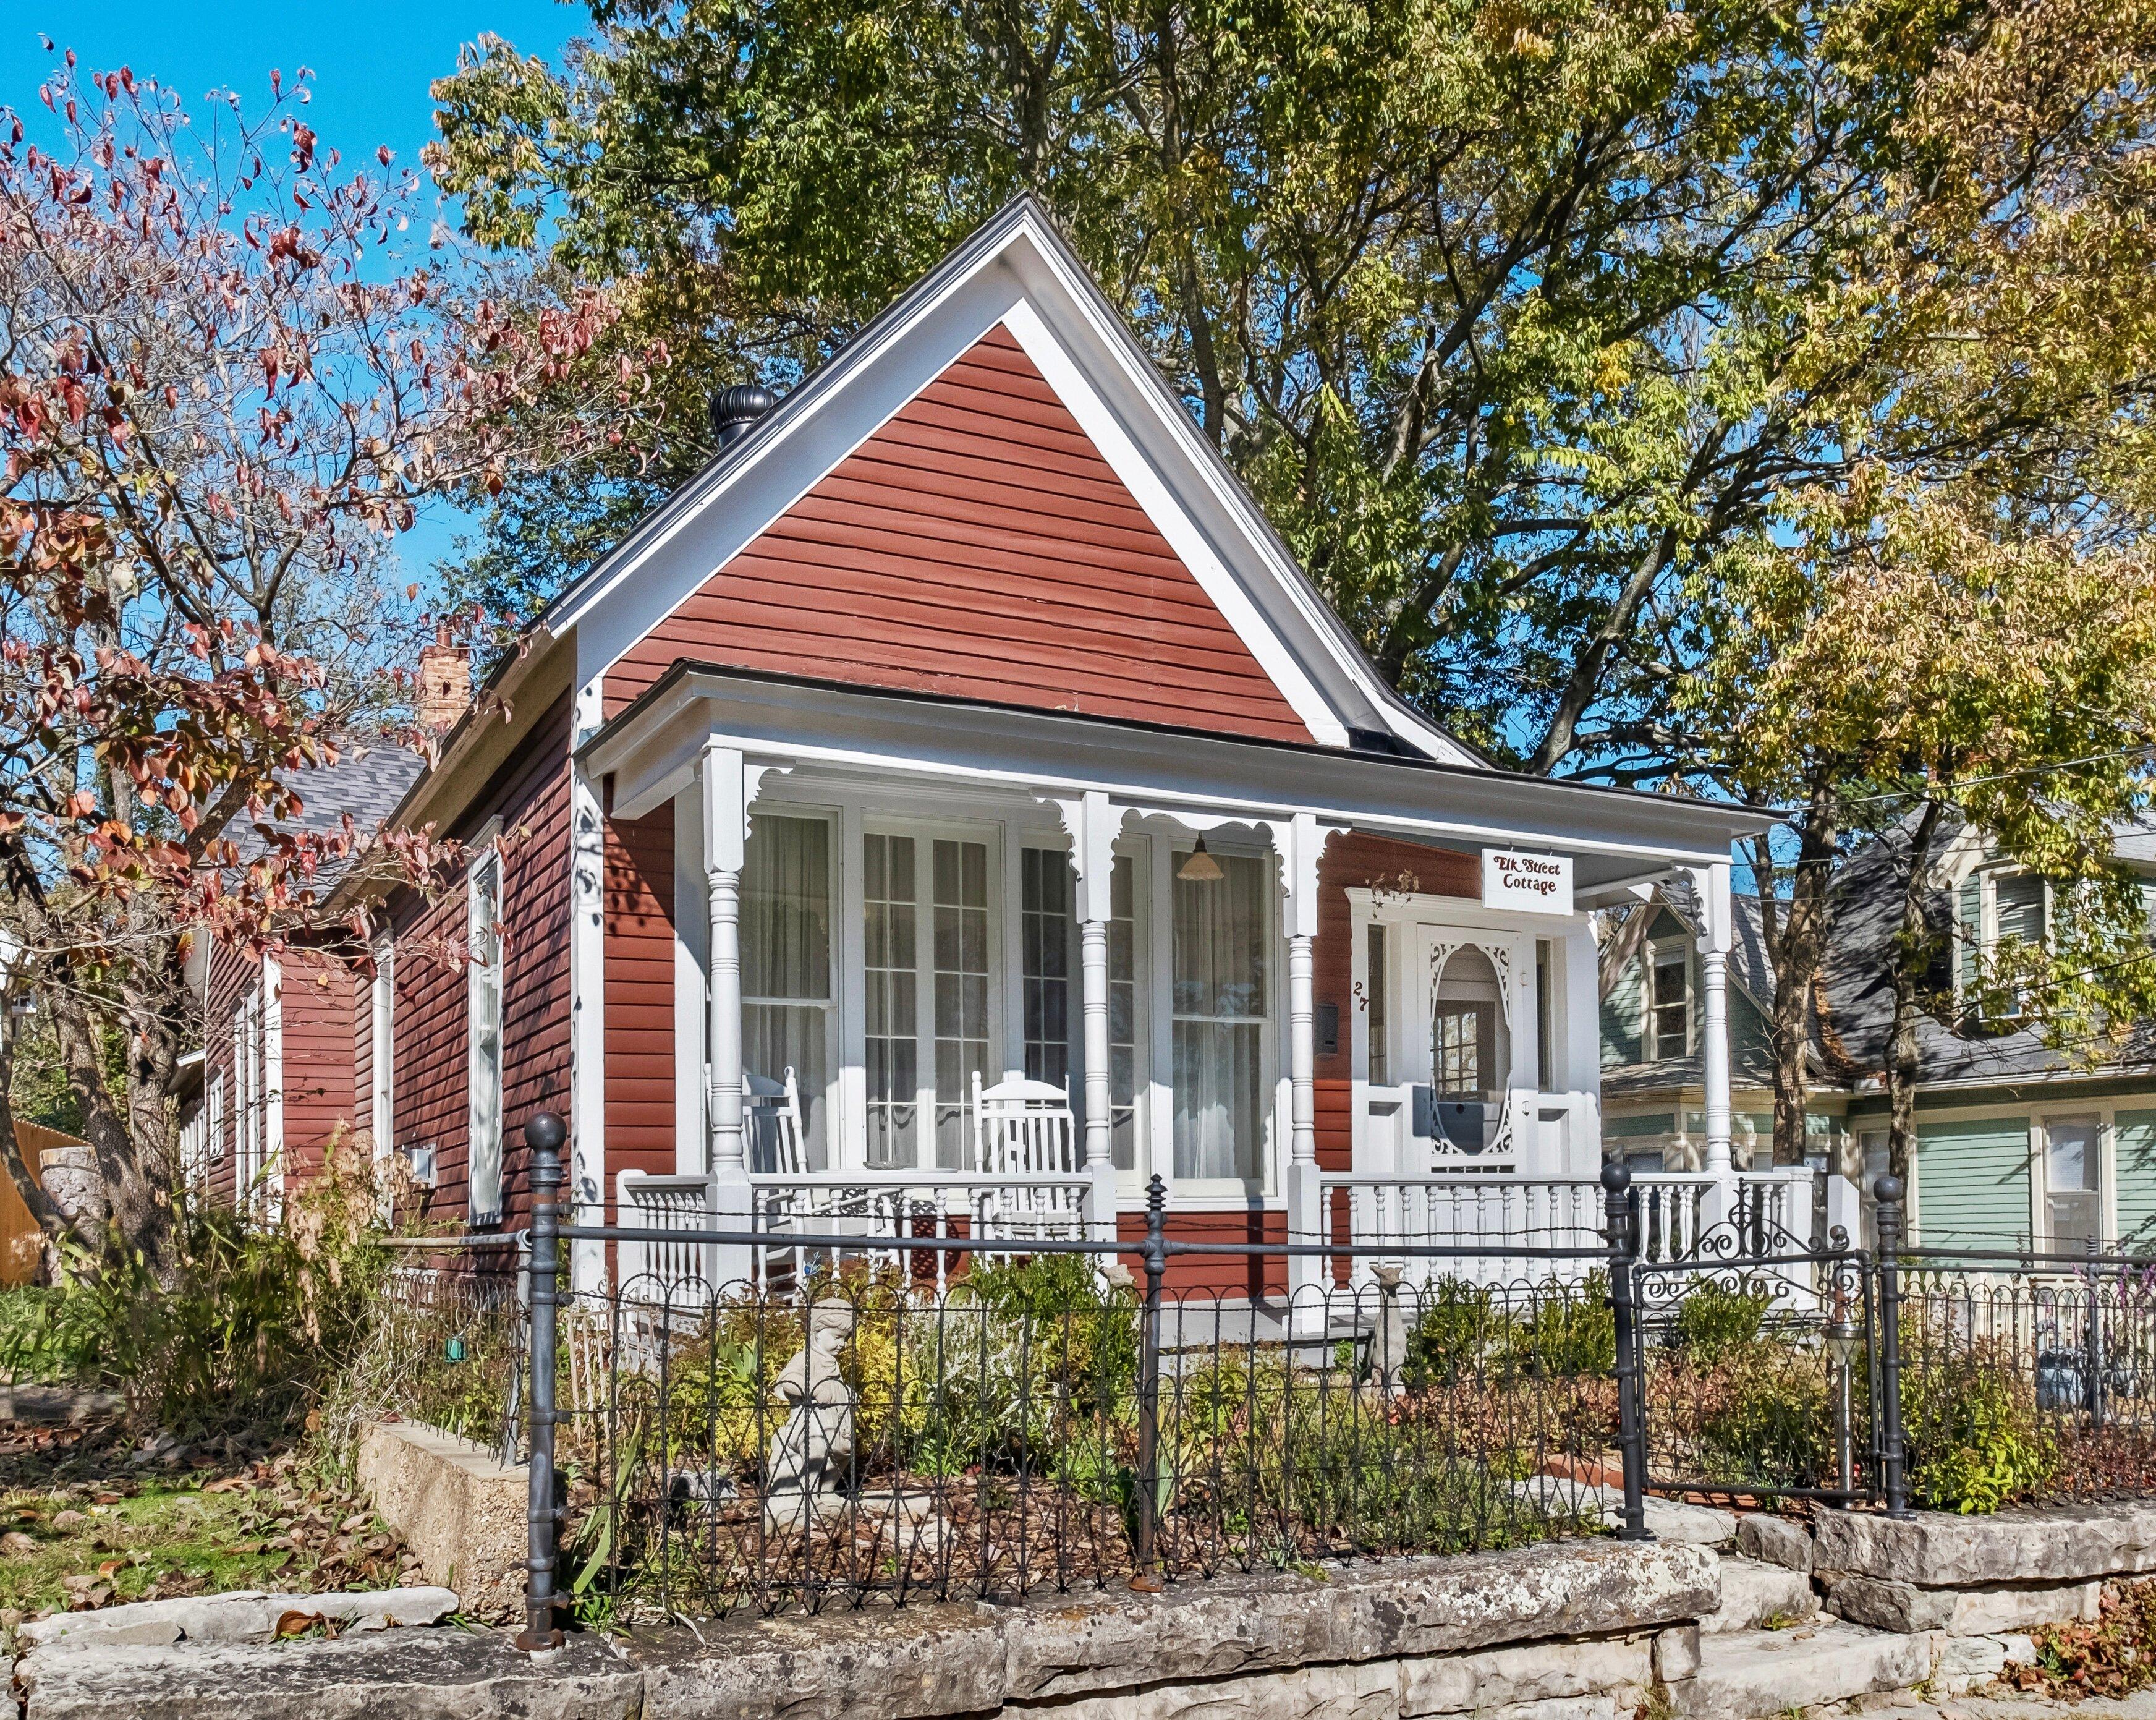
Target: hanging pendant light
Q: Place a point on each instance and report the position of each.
(1200, 868)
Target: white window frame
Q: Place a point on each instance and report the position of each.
(1276, 1098)
(1661, 953)
(381, 1063)
(2098, 1124)
(834, 979)
(924, 833)
(483, 1133)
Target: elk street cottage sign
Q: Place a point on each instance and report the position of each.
(1527, 883)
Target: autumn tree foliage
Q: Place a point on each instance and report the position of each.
(224, 389)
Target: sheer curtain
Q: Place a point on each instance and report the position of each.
(1220, 1007)
(786, 961)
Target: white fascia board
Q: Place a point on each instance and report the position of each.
(845, 731)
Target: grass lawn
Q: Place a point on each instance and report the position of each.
(84, 1524)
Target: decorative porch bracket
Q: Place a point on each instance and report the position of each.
(1093, 823)
(731, 784)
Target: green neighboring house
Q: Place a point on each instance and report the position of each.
(2017, 1146)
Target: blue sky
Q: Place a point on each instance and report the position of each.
(371, 63)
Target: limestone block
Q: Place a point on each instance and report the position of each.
(1454, 1684)
(392, 1674)
(1676, 1654)
(1755, 1595)
(1745, 1675)
(1666, 1519)
(455, 1504)
(1888, 1605)
(1386, 1609)
(1961, 1663)
(1774, 1540)
(2038, 1545)
(1365, 1692)
(237, 1616)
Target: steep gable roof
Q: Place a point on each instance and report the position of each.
(1013, 292)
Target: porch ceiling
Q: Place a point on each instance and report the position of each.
(1614, 837)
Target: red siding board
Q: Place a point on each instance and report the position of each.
(640, 995)
(530, 795)
(962, 550)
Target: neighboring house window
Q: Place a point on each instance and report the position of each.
(483, 1024)
(786, 961)
(1669, 1002)
(1221, 931)
(247, 1095)
(216, 1112)
(381, 1000)
(1993, 907)
(2070, 1183)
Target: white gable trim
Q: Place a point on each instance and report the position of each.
(1015, 272)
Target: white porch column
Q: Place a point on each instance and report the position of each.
(1711, 884)
(725, 832)
(1092, 824)
(1300, 842)
(589, 1184)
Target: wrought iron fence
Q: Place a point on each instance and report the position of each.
(449, 1340)
(898, 1420)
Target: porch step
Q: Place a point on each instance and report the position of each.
(1755, 1674)
(1755, 1596)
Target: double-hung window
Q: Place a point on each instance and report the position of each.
(1222, 932)
(483, 1017)
(1050, 961)
(1669, 1000)
(926, 944)
(2070, 1163)
(786, 963)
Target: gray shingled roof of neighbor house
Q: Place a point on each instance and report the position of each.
(1857, 993)
(367, 782)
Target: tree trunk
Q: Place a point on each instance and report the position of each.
(1795, 947)
(1910, 954)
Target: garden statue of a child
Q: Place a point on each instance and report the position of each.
(810, 1452)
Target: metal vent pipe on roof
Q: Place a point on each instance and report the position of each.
(734, 410)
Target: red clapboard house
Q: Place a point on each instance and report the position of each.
(955, 805)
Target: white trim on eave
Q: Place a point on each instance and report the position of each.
(1015, 272)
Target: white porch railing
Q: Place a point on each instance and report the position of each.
(1765, 1212)
(974, 1212)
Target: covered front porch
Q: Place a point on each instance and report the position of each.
(948, 968)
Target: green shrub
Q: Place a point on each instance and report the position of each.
(1461, 1329)
(1569, 1331)
(1971, 1430)
(1716, 1320)
(252, 1327)
(1765, 1417)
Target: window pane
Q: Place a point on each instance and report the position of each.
(1123, 1011)
(961, 877)
(889, 979)
(2020, 903)
(483, 1155)
(2071, 1155)
(1381, 1061)
(1219, 932)
(779, 1037)
(786, 909)
(1044, 910)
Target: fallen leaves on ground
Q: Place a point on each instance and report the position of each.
(91, 1517)
(2113, 1655)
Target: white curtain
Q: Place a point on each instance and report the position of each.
(786, 961)
(1220, 929)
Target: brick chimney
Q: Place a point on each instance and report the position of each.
(444, 692)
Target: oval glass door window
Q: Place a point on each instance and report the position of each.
(1467, 1053)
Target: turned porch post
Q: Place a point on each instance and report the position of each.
(726, 834)
(1300, 841)
(1711, 884)
(1092, 824)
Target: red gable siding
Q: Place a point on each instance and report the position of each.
(640, 995)
(979, 546)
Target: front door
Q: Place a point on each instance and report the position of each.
(1458, 1052)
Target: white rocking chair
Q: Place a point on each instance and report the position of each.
(1025, 1128)
(775, 1144)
